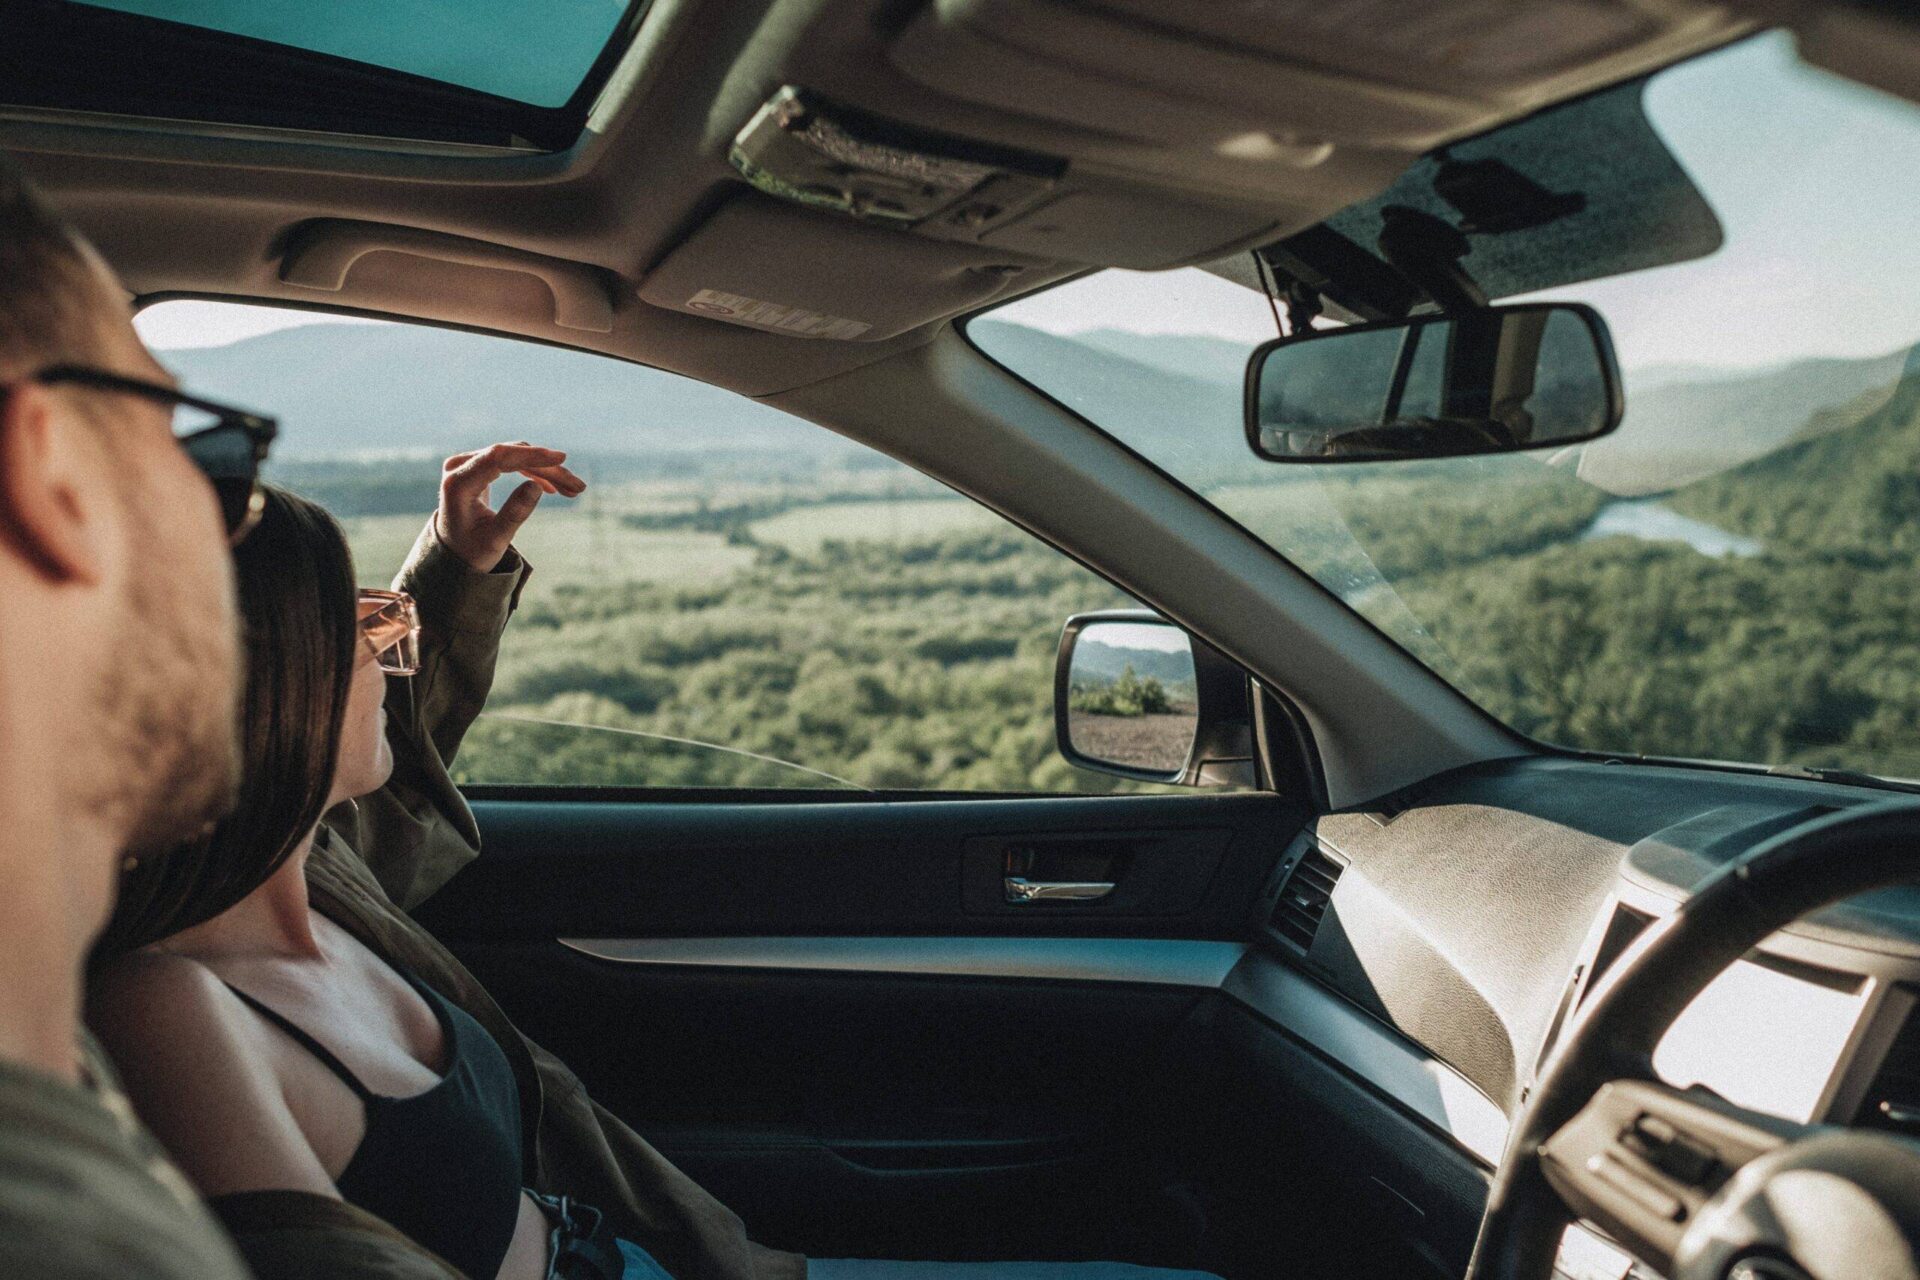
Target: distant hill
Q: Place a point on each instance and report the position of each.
(1855, 485)
(1682, 431)
(1193, 421)
(331, 386)
(1178, 396)
(1094, 660)
(1191, 355)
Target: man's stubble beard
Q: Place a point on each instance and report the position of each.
(167, 704)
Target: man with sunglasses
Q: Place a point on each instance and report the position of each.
(119, 675)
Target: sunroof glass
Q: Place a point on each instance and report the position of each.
(532, 51)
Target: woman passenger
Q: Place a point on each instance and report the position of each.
(265, 1045)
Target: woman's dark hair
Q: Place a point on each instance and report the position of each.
(301, 627)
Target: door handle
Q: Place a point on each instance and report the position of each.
(1022, 889)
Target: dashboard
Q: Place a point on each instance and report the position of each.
(1464, 923)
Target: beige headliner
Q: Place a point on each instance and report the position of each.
(211, 210)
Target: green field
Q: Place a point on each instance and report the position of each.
(569, 550)
(904, 520)
(874, 632)
(824, 631)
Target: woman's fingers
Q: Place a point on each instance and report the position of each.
(519, 505)
(469, 478)
(563, 481)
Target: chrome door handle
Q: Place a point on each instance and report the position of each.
(1021, 889)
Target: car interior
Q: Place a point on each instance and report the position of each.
(1373, 950)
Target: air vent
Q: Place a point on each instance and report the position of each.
(1304, 897)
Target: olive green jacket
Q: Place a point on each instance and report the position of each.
(390, 852)
(85, 1191)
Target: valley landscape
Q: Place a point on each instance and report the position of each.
(740, 579)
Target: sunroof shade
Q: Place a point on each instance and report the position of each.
(536, 52)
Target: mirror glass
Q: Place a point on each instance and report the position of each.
(1497, 380)
(1131, 696)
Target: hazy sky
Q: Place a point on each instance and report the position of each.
(1133, 635)
(1812, 177)
(170, 326)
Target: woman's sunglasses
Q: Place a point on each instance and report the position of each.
(390, 627)
(227, 444)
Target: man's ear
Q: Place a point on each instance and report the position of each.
(50, 509)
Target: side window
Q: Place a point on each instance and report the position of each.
(740, 599)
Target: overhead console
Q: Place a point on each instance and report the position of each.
(791, 270)
(1143, 134)
(803, 148)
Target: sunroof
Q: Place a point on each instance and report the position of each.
(537, 52)
(515, 74)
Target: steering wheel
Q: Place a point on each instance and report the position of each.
(1694, 1186)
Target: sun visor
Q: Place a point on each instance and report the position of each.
(793, 271)
(1580, 192)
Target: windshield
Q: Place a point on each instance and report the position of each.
(1731, 576)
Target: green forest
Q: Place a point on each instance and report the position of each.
(885, 637)
(1130, 694)
(865, 625)
(1806, 652)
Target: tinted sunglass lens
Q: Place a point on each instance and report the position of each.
(391, 626)
(226, 456)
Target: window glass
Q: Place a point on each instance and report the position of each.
(1731, 575)
(740, 598)
(533, 53)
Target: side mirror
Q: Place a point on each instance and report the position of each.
(1137, 696)
(1489, 380)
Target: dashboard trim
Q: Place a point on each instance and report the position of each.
(1152, 961)
(1357, 1041)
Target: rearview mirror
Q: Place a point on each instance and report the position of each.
(1491, 380)
(1135, 695)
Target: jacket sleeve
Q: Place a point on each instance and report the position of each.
(294, 1235)
(417, 831)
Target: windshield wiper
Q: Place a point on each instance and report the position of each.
(1847, 777)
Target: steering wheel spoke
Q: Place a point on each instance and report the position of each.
(1642, 1159)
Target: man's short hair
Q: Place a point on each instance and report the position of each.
(50, 288)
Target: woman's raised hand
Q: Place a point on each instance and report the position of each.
(473, 530)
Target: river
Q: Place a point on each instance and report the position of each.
(1651, 520)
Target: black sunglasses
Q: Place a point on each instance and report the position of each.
(227, 444)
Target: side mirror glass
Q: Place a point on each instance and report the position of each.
(1135, 695)
(1491, 380)
(1132, 697)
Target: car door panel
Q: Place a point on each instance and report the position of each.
(831, 1016)
(1189, 867)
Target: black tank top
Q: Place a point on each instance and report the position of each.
(443, 1166)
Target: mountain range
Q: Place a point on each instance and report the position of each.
(1853, 485)
(351, 390)
(1095, 661)
(365, 391)
(1680, 431)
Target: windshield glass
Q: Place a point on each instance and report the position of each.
(1731, 576)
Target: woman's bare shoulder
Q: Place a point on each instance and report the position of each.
(198, 1075)
(150, 1003)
